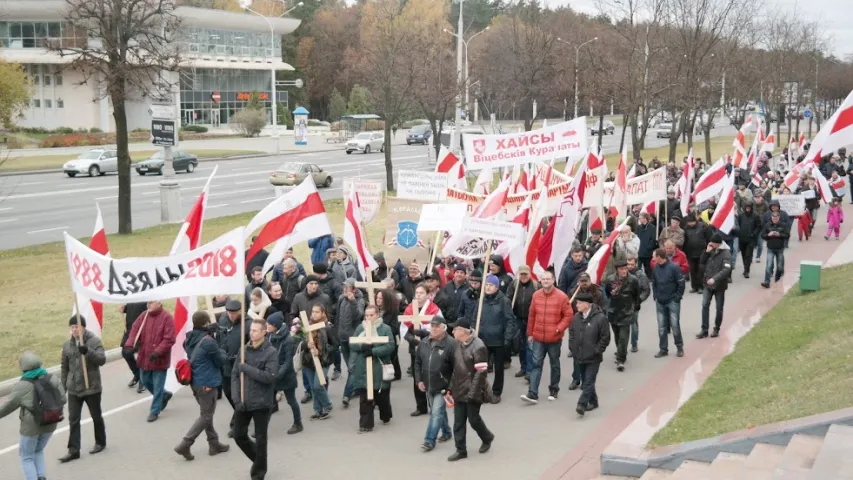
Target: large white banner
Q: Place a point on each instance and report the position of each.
(214, 268)
(418, 185)
(567, 139)
(370, 195)
(643, 189)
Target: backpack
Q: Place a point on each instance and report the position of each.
(48, 403)
(184, 368)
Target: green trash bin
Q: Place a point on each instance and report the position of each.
(810, 276)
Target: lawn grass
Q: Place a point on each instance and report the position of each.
(795, 362)
(37, 300)
(40, 162)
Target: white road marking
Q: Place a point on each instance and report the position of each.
(249, 181)
(7, 220)
(5, 209)
(259, 199)
(243, 168)
(106, 198)
(217, 206)
(47, 230)
(86, 421)
(29, 183)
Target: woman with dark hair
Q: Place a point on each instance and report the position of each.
(386, 300)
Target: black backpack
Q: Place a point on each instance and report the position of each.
(47, 407)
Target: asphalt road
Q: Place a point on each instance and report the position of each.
(36, 209)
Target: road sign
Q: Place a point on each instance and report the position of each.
(162, 111)
(163, 132)
(807, 113)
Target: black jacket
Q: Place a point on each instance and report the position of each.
(132, 311)
(304, 302)
(434, 364)
(281, 305)
(667, 282)
(569, 275)
(696, 239)
(717, 265)
(504, 277)
(350, 315)
(454, 293)
(291, 285)
(775, 242)
(285, 346)
(334, 289)
(468, 305)
(589, 337)
(750, 227)
(624, 300)
(407, 286)
(783, 216)
(523, 299)
(260, 369)
(468, 384)
(497, 323)
(230, 341)
(445, 304)
(648, 240)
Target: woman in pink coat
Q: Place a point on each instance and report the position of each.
(834, 218)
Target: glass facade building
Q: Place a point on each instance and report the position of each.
(230, 43)
(40, 35)
(212, 96)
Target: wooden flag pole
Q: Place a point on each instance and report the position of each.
(515, 293)
(139, 332)
(242, 347)
(80, 339)
(575, 294)
(431, 265)
(483, 287)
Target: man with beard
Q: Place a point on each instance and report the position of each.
(496, 329)
(588, 338)
(304, 302)
(750, 228)
(623, 289)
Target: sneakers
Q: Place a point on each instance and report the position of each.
(702, 334)
(336, 375)
(457, 455)
(531, 398)
(633, 349)
(574, 385)
(715, 333)
(620, 366)
(826, 237)
(324, 415)
(306, 398)
(296, 428)
(427, 447)
(661, 354)
(553, 395)
(140, 388)
(757, 259)
(345, 402)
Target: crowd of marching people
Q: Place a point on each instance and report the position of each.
(462, 322)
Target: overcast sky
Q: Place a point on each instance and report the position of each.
(836, 17)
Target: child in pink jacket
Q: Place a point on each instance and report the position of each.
(834, 218)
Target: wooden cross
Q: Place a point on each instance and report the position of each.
(213, 311)
(308, 327)
(417, 320)
(369, 339)
(371, 289)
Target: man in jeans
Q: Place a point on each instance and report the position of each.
(645, 291)
(717, 265)
(668, 288)
(550, 316)
(156, 332)
(776, 234)
(433, 371)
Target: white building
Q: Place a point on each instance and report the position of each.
(227, 56)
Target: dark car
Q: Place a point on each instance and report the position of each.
(419, 134)
(181, 161)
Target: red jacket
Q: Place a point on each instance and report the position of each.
(680, 259)
(157, 336)
(550, 315)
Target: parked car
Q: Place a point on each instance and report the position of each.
(607, 127)
(97, 161)
(365, 142)
(664, 130)
(419, 134)
(181, 162)
(293, 173)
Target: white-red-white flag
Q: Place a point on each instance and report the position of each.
(492, 206)
(724, 215)
(619, 200)
(356, 237)
(91, 310)
(534, 236)
(839, 185)
(685, 183)
(711, 182)
(513, 255)
(446, 160)
(822, 185)
(189, 238)
(835, 133)
(297, 216)
(483, 185)
(739, 156)
(598, 263)
(555, 245)
(801, 143)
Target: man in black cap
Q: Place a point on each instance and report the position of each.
(73, 352)
(383, 271)
(623, 289)
(468, 303)
(230, 341)
(469, 387)
(433, 370)
(437, 295)
(588, 338)
(592, 244)
(696, 235)
(717, 266)
(455, 290)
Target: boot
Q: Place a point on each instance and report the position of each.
(70, 456)
(183, 449)
(296, 428)
(215, 448)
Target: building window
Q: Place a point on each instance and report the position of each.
(57, 79)
(60, 103)
(47, 80)
(40, 35)
(48, 103)
(36, 79)
(36, 103)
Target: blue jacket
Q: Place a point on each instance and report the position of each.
(668, 283)
(208, 362)
(569, 275)
(497, 323)
(319, 247)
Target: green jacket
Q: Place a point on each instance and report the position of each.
(382, 353)
(23, 398)
(72, 367)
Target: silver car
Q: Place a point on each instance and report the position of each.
(95, 162)
(366, 142)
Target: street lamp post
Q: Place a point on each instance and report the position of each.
(246, 4)
(466, 70)
(577, 55)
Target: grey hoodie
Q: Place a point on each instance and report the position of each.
(23, 397)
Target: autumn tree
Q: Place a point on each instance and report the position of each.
(14, 92)
(360, 100)
(337, 105)
(131, 53)
(391, 32)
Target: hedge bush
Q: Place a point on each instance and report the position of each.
(194, 128)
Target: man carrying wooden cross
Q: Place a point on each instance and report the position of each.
(373, 340)
(316, 357)
(414, 326)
